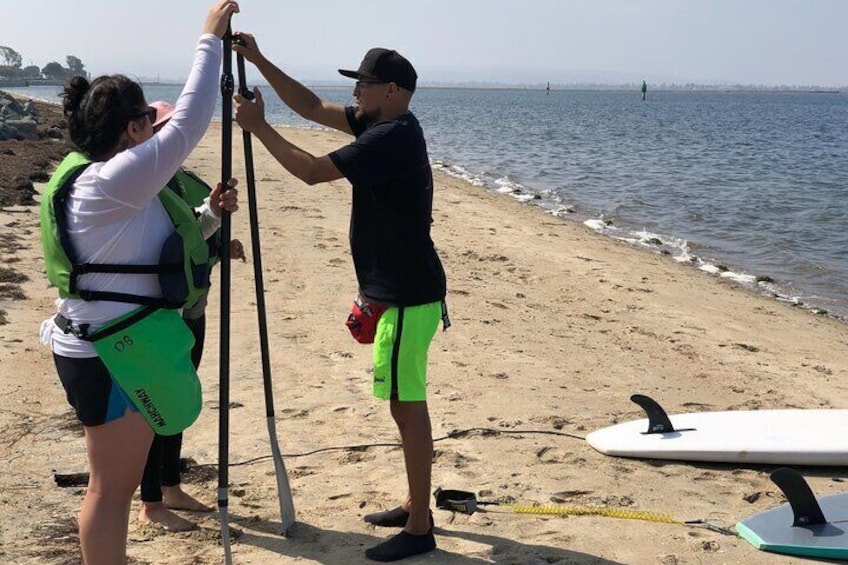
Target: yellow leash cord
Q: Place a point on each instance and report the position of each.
(466, 502)
(594, 511)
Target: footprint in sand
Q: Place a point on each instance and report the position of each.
(554, 455)
(340, 355)
(299, 472)
(352, 456)
(294, 413)
(458, 460)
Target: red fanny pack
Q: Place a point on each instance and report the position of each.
(363, 318)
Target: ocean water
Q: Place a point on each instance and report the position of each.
(750, 186)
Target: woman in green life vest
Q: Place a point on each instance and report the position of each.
(108, 211)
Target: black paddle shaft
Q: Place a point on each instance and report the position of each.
(287, 511)
(224, 361)
(256, 248)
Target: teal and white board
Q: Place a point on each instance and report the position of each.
(774, 437)
(805, 526)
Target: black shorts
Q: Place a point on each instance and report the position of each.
(91, 391)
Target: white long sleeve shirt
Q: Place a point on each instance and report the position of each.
(115, 215)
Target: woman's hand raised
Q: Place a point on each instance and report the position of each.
(218, 17)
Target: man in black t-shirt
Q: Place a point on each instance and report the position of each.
(396, 263)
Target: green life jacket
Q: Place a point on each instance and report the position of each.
(194, 191)
(183, 268)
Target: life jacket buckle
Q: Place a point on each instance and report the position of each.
(67, 326)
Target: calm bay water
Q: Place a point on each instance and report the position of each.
(745, 185)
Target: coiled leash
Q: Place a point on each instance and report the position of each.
(466, 502)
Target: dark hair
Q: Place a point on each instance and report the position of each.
(97, 112)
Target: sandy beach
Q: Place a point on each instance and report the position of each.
(554, 328)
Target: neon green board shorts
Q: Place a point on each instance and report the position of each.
(148, 353)
(400, 351)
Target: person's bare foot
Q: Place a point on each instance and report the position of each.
(175, 498)
(156, 513)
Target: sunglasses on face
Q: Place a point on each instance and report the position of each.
(150, 113)
(361, 83)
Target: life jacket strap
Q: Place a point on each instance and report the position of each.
(89, 295)
(81, 330)
(85, 268)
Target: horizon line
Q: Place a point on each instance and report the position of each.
(692, 85)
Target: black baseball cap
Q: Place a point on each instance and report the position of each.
(385, 65)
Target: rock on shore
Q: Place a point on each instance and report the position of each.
(33, 138)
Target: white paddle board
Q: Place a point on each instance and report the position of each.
(783, 437)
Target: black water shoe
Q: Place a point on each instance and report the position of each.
(394, 518)
(401, 546)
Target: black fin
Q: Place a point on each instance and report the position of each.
(805, 508)
(658, 422)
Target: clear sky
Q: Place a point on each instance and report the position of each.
(769, 42)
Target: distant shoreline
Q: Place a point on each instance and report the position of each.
(695, 88)
(24, 83)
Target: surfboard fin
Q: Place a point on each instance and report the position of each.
(658, 422)
(805, 508)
